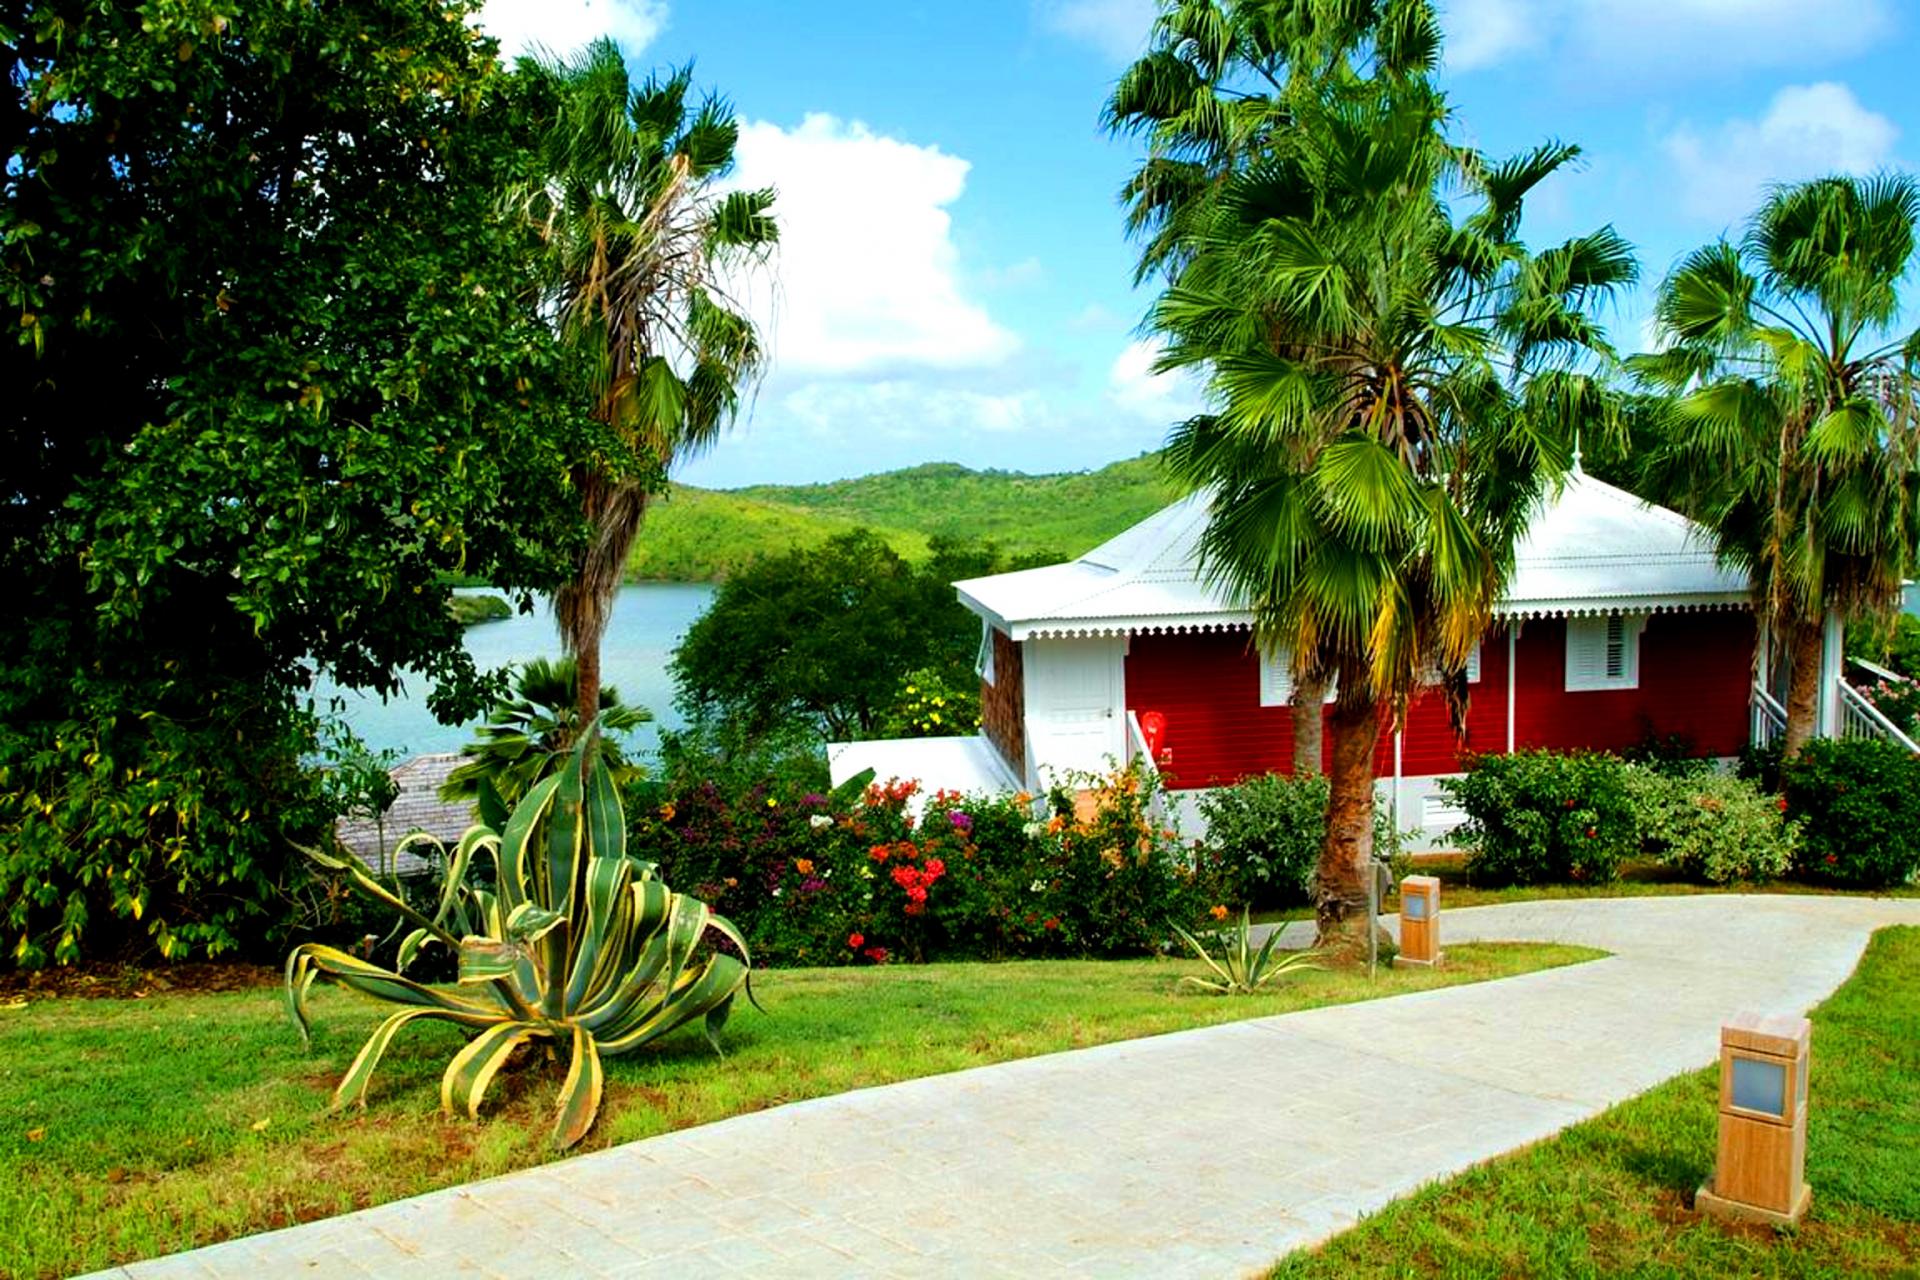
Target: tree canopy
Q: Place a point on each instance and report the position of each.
(276, 374)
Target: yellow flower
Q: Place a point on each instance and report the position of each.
(772, 803)
(1217, 912)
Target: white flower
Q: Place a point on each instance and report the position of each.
(776, 893)
(1033, 829)
(1038, 886)
(819, 821)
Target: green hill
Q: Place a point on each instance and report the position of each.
(698, 535)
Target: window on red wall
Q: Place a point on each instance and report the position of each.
(1604, 652)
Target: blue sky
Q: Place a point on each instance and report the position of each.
(954, 282)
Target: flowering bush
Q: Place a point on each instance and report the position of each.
(931, 704)
(1857, 802)
(1537, 817)
(1713, 826)
(1899, 701)
(816, 878)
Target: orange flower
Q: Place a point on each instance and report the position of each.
(804, 866)
(1056, 824)
(1218, 912)
(1023, 797)
(666, 812)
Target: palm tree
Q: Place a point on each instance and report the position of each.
(1372, 471)
(530, 735)
(639, 248)
(1792, 432)
(1207, 99)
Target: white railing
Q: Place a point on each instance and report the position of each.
(1137, 749)
(1769, 717)
(1859, 718)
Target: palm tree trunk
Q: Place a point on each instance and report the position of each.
(1340, 887)
(584, 605)
(1804, 648)
(1309, 726)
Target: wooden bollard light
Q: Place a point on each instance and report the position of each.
(1420, 920)
(1760, 1175)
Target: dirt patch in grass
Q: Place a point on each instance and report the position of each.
(135, 982)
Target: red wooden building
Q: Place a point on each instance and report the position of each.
(1618, 627)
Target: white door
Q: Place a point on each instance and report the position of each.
(1076, 703)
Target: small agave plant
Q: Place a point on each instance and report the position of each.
(576, 945)
(1240, 969)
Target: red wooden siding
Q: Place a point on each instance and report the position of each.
(1695, 670)
(1695, 673)
(1207, 685)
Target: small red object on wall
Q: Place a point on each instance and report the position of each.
(1153, 727)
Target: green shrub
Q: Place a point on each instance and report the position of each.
(1539, 817)
(1265, 832)
(1857, 802)
(1712, 826)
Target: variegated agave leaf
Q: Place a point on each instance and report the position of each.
(576, 945)
(1239, 969)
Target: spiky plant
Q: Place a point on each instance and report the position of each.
(529, 735)
(1240, 970)
(577, 945)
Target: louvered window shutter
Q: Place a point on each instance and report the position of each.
(1616, 648)
(1276, 679)
(1601, 652)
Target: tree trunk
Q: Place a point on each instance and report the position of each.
(615, 510)
(1804, 643)
(1340, 886)
(1309, 727)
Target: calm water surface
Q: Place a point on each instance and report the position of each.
(648, 622)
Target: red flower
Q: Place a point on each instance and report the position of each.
(854, 940)
(1591, 833)
(876, 954)
(935, 868)
(1051, 923)
(878, 853)
(1783, 804)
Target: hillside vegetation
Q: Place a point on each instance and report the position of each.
(700, 535)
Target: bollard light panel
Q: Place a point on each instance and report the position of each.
(1420, 920)
(1760, 1172)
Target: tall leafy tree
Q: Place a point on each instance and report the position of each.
(272, 375)
(1792, 429)
(1207, 98)
(640, 245)
(1373, 466)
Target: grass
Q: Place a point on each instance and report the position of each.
(1614, 1196)
(139, 1127)
(701, 535)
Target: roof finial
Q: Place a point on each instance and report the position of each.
(1576, 452)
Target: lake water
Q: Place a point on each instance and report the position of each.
(647, 624)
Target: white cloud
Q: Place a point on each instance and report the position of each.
(562, 26)
(1806, 131)
(1117, 28)
(1134, 388)
(1638, 35)
(908, 409)
(1481, 33)
(867, 271)
(1018, 275)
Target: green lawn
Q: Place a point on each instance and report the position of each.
(1613, 1196)
(138, 1127)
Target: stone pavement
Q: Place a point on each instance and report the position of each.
(1202, 1153)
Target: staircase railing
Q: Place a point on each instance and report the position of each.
(1769, 717)
(1859, 718)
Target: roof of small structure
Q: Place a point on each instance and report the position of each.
(967, 765)
(417, 808)
(1591, 549)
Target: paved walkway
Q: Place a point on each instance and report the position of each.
(1204, 1153)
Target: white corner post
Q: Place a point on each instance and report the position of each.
(1833, 659)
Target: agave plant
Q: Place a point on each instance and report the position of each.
(1240, 969)
(576, 945)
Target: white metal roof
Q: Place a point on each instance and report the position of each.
(1591, 549)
